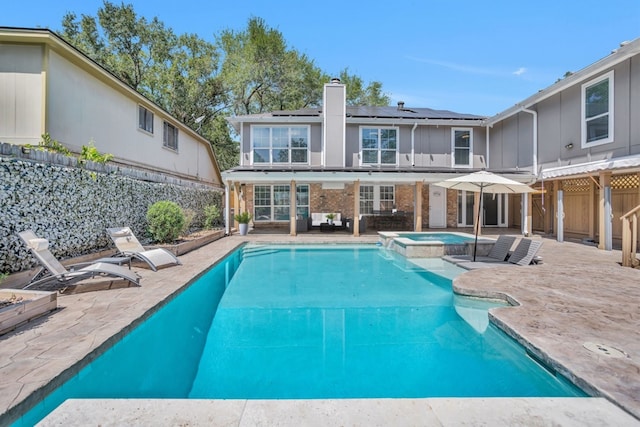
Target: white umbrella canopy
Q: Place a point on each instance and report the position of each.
(484, 182)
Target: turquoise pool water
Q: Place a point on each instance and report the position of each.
(314, 322)
(446, 238)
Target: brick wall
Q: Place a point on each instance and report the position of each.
(452, 208)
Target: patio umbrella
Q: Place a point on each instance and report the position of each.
(484, 182)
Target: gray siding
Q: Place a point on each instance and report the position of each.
(334, 124)
(316, 144)
(560, 121)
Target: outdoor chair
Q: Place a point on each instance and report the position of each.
(129, 246)
(54, 276)
(499, 252)
(524, 254)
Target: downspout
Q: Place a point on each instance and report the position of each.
(413, 144)
(526, 207)
(535, 139)
(486, 158)
(242, 143)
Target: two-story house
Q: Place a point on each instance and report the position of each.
(376, 162)
(49, 87)
(577, 142)
(581, 138)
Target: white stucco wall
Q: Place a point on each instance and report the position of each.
(20, 94)
(83, 108)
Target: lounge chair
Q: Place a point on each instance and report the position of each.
(128, 245)
(54, 276)
(524, 254)
(499, 252)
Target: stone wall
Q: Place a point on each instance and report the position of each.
(72, 206)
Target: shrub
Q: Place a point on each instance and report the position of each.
(189, 216)
(211, 216)
(243, 217)
(91, 153)
(51, 145)
(165, 220)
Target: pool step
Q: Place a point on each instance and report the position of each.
(257, 251)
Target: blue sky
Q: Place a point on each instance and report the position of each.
(466, 56)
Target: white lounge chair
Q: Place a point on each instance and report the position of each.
(54, 276)
(498, 253)
(128, 245)
(523, 254)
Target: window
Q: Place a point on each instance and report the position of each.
(597, 111)
(145, 119)
(379, 146)
(280, 144)
(302, 201)
(376, 198)
(462, 147)
(170, 136)
(272, 202)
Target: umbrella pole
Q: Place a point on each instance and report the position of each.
(475, 243)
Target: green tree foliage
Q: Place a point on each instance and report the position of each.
(358, 94)
(243, 72)
(262, 74)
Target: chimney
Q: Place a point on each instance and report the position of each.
(400, 105)
(334, 123)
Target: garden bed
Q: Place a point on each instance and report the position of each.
(20, 306)
(193, 241)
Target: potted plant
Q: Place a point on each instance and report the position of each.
(330, 218)
(243, 219)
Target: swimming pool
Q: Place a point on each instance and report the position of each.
(309, 322)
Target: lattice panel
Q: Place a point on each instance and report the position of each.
(576, 185)
(621, 182)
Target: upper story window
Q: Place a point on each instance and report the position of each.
(170, 136)
(461, 147)
(145, 119)
(280, 144)
(597, 111)
(379, 146)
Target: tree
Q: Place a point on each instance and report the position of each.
(179, 73)
(244, 72)
(357, 94)
(262, 74)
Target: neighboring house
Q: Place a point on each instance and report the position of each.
(376, 162)
(581, 138)
(48, 86)
(577, 141)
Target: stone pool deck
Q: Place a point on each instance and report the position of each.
(579, 295)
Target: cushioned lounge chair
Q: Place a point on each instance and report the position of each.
(524, 254)
(128, 245)
(54, 276)
(499, 252)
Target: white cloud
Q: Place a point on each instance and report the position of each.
(469, 69)
(520, 71)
